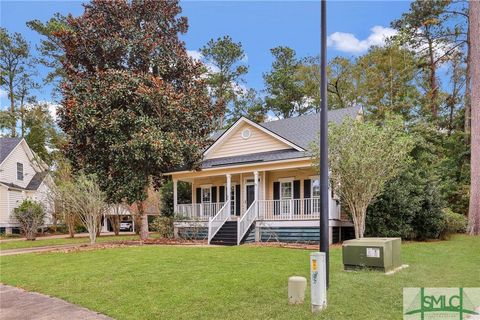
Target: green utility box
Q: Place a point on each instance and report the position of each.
(378, 253)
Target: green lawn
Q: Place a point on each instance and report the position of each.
(160, 282)
(41, 242)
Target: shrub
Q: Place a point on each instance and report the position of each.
(164, 226)
(184, 191)
(454, 223)
(410, 207)
(30, 215)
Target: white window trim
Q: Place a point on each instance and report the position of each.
(23, 171)
(201, 193)
(311, 186)
(289, 179)
(280, 191)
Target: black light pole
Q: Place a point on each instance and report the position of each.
(324, 140)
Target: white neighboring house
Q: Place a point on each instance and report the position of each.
(22, 175)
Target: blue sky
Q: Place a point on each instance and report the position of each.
(352, 27)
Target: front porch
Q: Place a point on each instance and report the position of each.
(282, 198)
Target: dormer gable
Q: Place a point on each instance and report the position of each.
(247, 137)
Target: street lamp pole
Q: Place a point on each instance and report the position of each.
(324, 228)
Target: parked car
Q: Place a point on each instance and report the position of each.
(126, 226)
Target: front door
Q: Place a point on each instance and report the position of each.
(250, 195)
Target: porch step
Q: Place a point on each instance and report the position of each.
(227, 235)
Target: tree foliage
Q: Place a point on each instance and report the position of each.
(284, 94)
(224, 59)
(363, 157)
(49, 47)
(411, 204)
(15, 62)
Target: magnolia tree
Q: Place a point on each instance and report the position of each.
(30, 215)
(363, 156)
(135, 105)
(84, 197)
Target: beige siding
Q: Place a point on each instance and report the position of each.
(14, 199)
(8, 170)
(3, 205)
(235, 144)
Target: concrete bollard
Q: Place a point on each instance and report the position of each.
(296, 290)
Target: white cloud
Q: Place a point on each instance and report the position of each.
(195, 54)
(348, 42)
(3, 93)
(52, 109)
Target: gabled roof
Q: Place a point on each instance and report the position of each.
(303, 130)
(6, 147)
(32, 185)
(225, 134)
(300, 131)
(36, 180)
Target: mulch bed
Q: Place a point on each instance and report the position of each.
(128, 243)
(291, 245)
(174, 241)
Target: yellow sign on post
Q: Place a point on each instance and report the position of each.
(314, 265)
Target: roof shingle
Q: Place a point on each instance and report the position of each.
(6, 146)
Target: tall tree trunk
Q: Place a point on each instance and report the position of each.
(433, 94)
(144, 221)
(474, 208)
(467, 121)
(13, 125)
(70, 220)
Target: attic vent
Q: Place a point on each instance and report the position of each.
(246, 133)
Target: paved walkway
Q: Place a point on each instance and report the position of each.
(11, 252)
(77, 235)
(19, 304)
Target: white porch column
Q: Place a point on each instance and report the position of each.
(175, 196)
(255, 179)
(229, 193)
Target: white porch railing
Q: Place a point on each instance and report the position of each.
(215, 223)
(198, 211)
(294, 209)
(246, 221)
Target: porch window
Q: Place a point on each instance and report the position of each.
(19, 171)
(206, 195)
(315, 192)
(286, 190)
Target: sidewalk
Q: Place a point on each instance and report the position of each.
(77, 235)
(19, 304)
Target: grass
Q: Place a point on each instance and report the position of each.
(41, 242)
(245, 282)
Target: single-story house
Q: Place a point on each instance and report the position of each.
(257, 183)
(22, 175)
